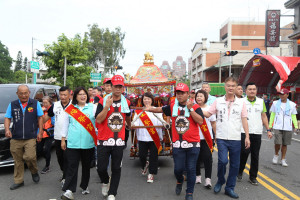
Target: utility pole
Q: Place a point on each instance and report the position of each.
(32, 58)
(230, 58)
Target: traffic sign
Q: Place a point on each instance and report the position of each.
(95, 77)
(256, 51)
(34, 66)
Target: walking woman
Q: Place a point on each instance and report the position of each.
(149, 139)
(81, 142)
(206, 141)
(44, 147)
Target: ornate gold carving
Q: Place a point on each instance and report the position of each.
(148, 58)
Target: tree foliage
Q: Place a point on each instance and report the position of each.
(25, 63)
(20, 76)
(107, 45)
(76, 51)
(6, 73)
(19, 62)
(184, 79)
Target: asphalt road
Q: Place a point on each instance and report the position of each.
(276, 182)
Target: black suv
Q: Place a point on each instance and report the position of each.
(8, 94)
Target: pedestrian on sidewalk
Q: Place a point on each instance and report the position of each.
(81, 142)
(112, 112)
(207, 138)
(256, 119)
(44, 147)
(186, 116)
(283, 114)
(149, 139)
(26, 116)
(57, 110)
(231, 114)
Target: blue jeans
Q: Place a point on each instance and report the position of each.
(186, 159)
(234, 149)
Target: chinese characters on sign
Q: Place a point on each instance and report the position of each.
(272, 28)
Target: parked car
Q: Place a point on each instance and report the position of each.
(8, 94)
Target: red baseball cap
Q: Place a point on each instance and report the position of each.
(284, 91)
(117, 80)
(182, 87)
(106, 79)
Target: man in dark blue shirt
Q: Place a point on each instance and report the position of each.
(26, 116)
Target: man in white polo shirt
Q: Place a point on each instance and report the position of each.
(58, 111)
(284, 113)
(256, 119)
(231, 116)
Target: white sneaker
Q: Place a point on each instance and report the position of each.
(67, 195)
(111, 197)
(86, 191)
(105, 188)
(283, 163)
(150, 178)
(208, 183)
(144, 171)
(198, 179)
(275, 160)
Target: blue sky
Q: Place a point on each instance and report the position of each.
(165, 28)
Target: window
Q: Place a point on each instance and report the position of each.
(51, 93)
(245, 43)
(39, 95)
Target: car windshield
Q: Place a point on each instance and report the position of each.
(8, 94)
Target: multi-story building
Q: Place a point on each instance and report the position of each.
(179, 67)
(165, 68)
(209, 63)
(295, 35)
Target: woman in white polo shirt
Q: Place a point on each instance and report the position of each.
(146, 142)
(205, 154)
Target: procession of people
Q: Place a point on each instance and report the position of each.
(94, 126)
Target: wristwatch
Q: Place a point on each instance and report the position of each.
(191, 110)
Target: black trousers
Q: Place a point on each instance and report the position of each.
(116, 154)
(61, 157)
(44, 149)
(205, 156)
(255, 141)
(73, 157)
(153, 157)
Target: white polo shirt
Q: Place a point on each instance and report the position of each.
(142, 133)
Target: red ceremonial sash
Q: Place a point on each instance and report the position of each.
(206, 134)
(152, 131)
(82, 119)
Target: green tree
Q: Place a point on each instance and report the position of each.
(76, 51)
(20, 76)
(107, 45)
(6, 73)
(79, 76)
(25, 63)
(184, 79)
(18, 64)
